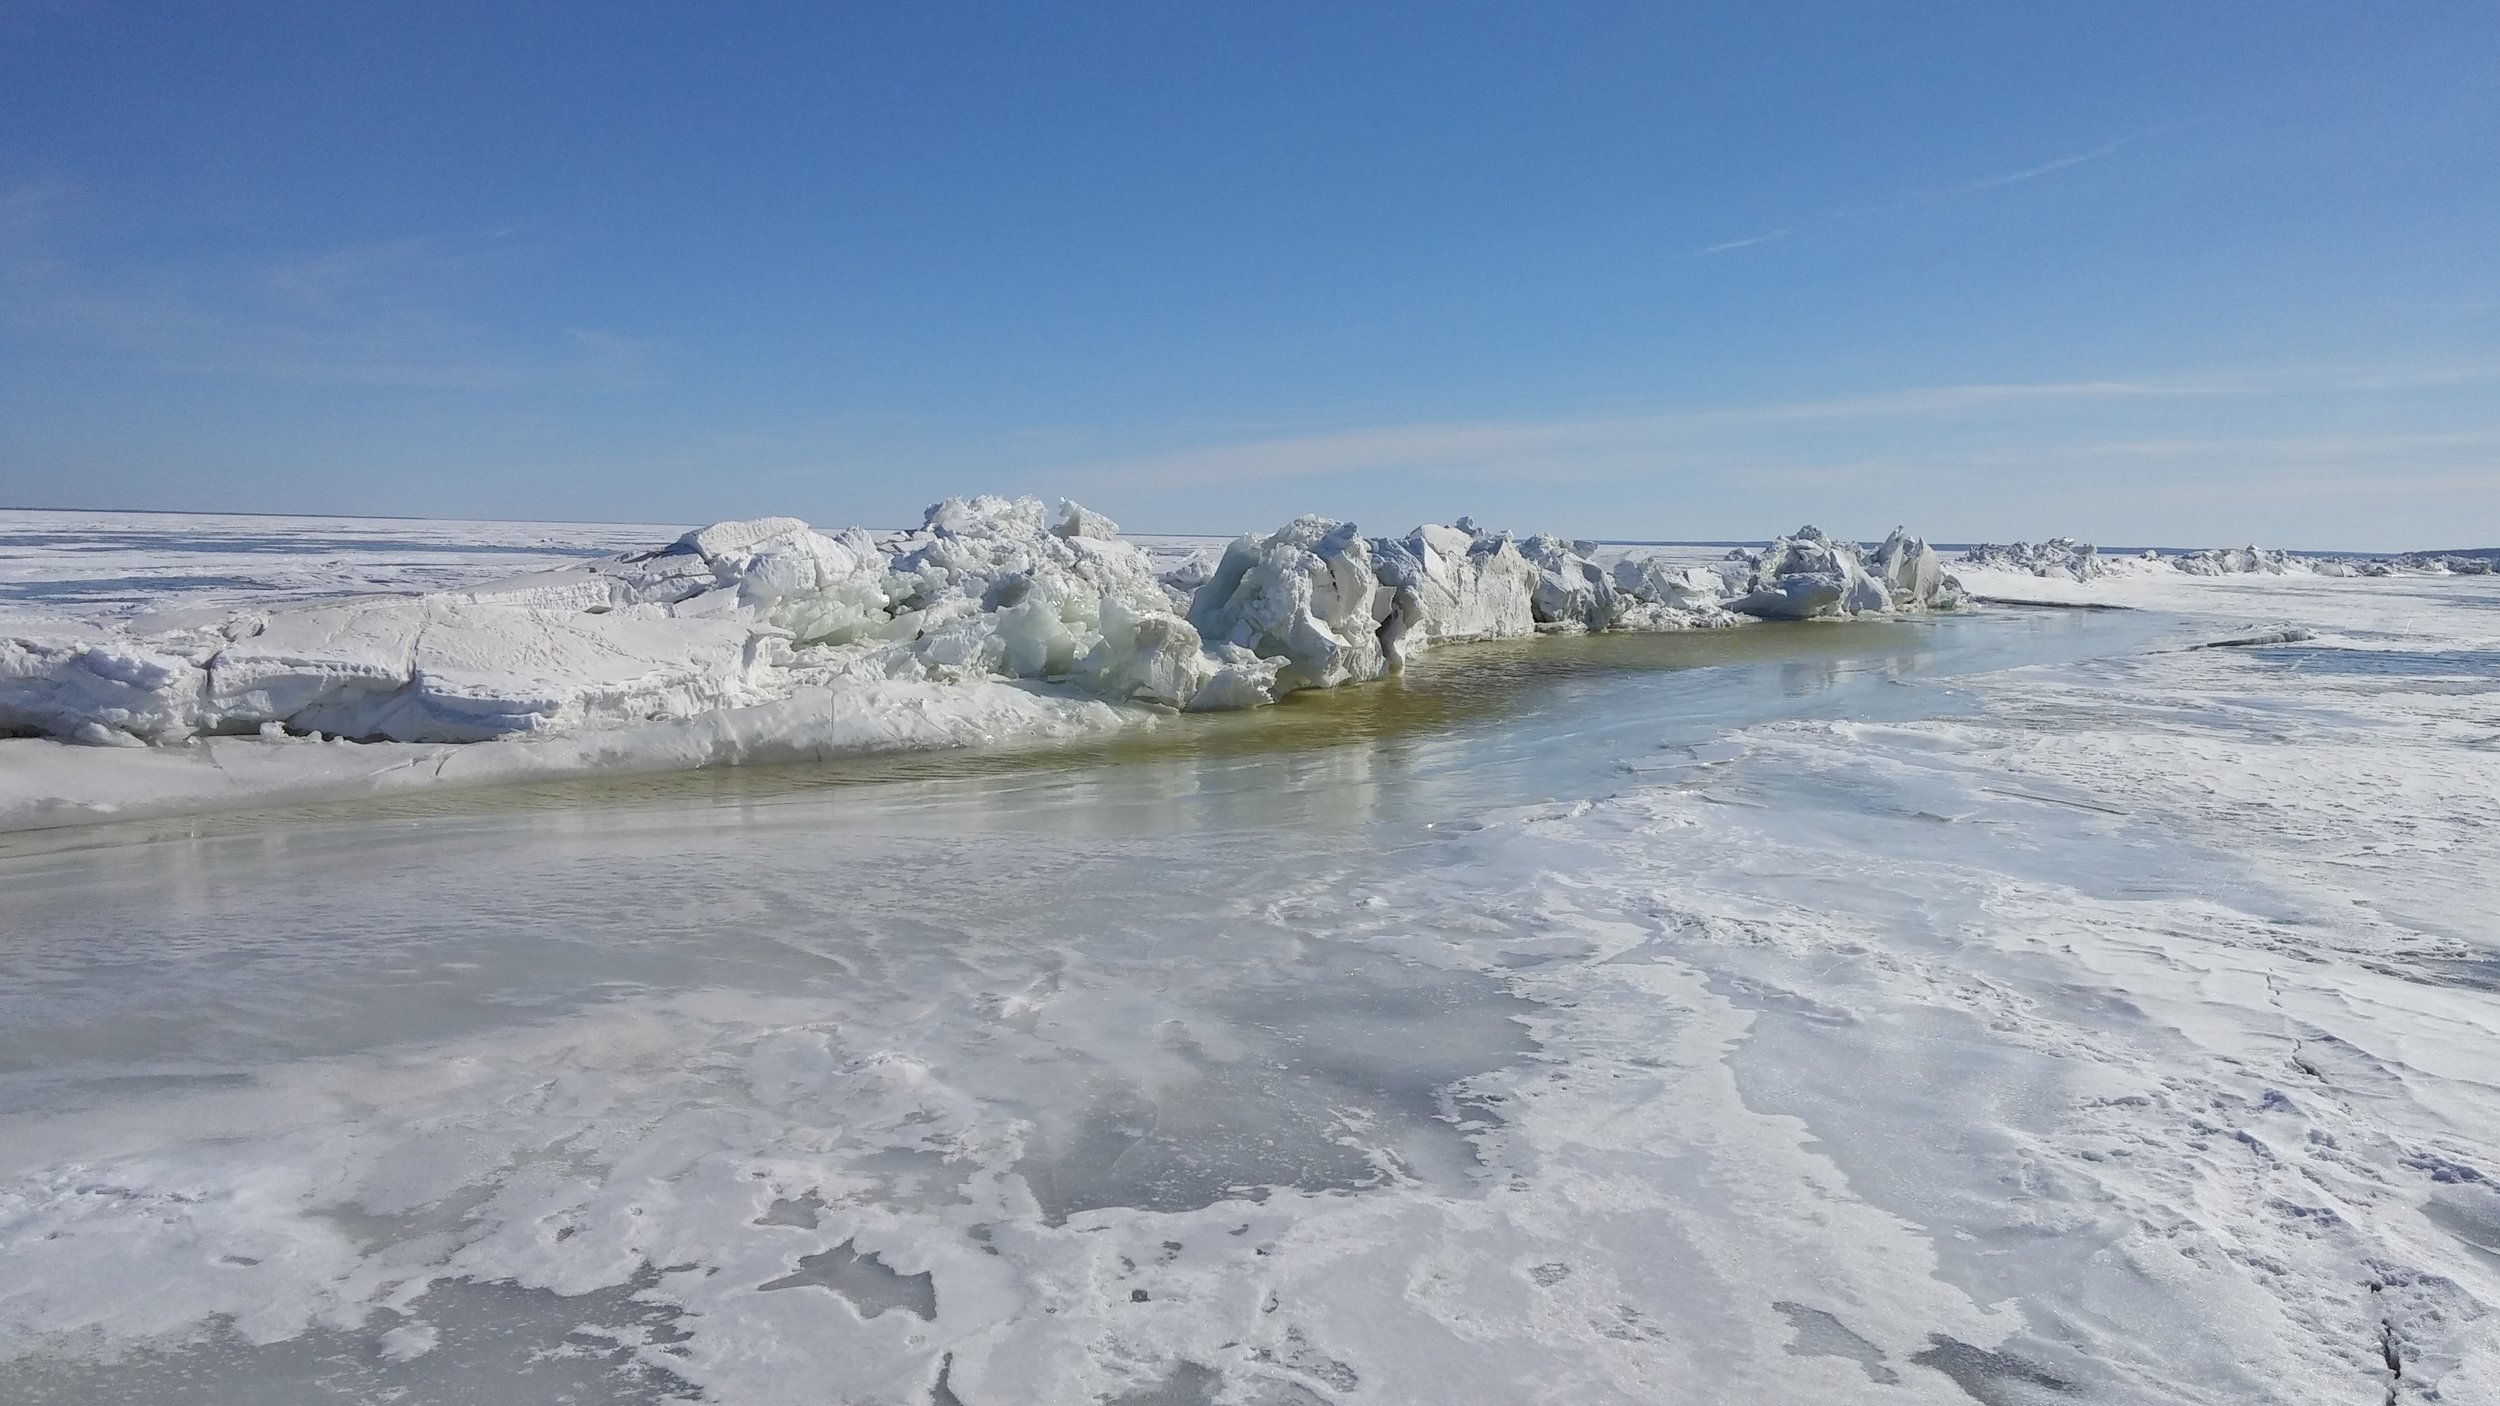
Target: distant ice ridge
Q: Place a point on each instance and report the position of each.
(2065, 558)
(2479, 561)
(2249, 561)
(1810, 576)
(752, 614)
(2061, 557)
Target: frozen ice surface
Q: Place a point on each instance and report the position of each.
(69, 567)
(1571, 591)
(2059, 557)
(1813, 576)
(1305, 596)
(1021, 609)
(2480, 561)
(45, 783)
(2012, 1005)
(2063, 557)
(1452, 585)
(1913, 573)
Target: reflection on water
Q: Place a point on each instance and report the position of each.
(899, 877)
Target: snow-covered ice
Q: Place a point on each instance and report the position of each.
(2004, 1005)
(1304, 596)
(1812, 576)
(67, 567)
(1453, 585)
(1024, 611)
(2057, 557)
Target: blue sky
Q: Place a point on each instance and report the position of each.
(2176, 273)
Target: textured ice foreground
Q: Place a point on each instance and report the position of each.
(2018, 1006)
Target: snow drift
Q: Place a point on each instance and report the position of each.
(750, 615)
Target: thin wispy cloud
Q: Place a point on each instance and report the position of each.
(1976, 425)
(1469, 447)
(1931, 196)
(2033, 173)
(1747, 243)
(2329, 447)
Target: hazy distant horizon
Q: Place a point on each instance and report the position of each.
(1219, 534)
